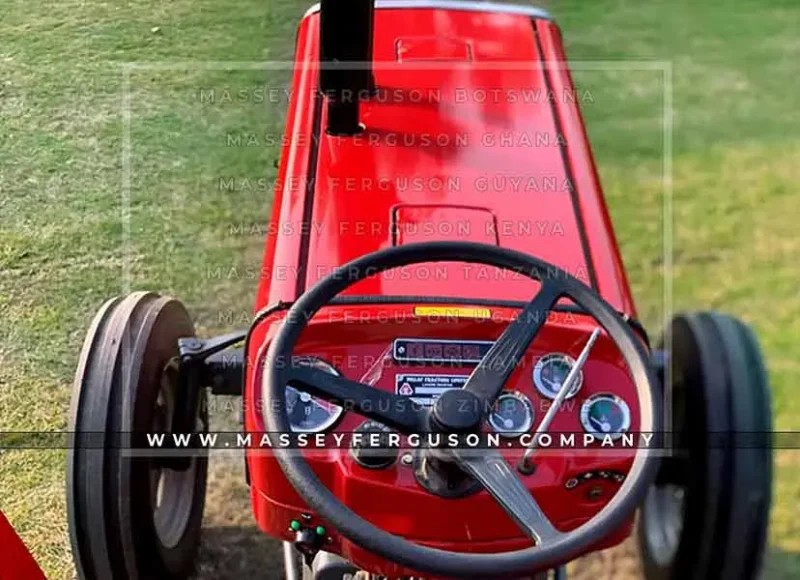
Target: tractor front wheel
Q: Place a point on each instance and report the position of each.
(130, 514)
(706, 516)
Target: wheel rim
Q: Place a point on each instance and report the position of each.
(171, 491)
(663, 521)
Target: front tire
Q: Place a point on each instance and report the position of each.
(129, 516)
(706, 516)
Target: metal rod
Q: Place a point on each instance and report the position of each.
(560, 397)
(290, 562)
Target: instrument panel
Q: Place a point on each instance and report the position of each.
(442, 364)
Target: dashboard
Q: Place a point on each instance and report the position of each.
(419, 358)
(602, 414)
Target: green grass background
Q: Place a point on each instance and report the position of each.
(736, 166)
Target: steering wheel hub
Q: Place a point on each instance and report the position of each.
(458, 411)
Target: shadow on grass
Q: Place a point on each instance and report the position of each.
(782, 565)
(239, 552)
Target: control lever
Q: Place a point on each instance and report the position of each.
(525, 465)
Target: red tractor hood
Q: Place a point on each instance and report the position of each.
(468, 137)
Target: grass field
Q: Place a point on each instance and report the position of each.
(735, 167)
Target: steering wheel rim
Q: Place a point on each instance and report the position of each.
(433, 560)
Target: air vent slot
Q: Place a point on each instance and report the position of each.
(432, 48)
(434, 223)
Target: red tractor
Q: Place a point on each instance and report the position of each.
(445, 376)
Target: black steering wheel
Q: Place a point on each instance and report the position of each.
(460, 410)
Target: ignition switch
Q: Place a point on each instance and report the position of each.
(371, 447)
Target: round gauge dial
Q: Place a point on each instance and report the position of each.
(512, 414)
(309, 414)
(550, 373)
(605, 414)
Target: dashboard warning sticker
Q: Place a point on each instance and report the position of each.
(425, 389)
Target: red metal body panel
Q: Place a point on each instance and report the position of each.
(612, 282)
(16, 562)
(283, 246)
(441, 158)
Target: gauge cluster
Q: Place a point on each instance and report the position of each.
(514, 413)
(601, 414)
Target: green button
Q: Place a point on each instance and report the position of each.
(295, 525)
(320, 531)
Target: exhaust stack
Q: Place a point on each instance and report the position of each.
(346, 61)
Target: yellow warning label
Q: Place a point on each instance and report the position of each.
(452, 311)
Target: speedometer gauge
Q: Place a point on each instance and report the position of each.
(550, 373)
(605, 414)
(308, 414)
(512, 414)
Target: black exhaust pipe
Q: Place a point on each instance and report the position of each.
(346, 56)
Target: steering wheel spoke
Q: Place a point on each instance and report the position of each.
(487, 380)
(400, 413)
(499, 479)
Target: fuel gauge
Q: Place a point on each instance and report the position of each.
(605, 414)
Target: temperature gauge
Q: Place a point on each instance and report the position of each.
(550, 373)
(309, 414)
(512, 414)
(605, 414)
